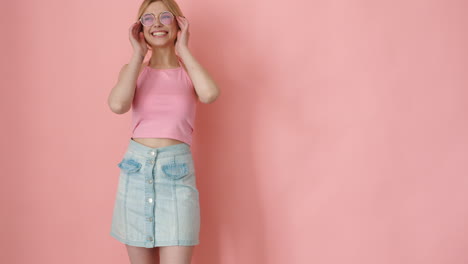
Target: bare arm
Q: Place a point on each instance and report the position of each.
(121, 96)
(205, 87)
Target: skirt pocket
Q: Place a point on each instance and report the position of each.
(175, 170)
(179, 167)
(129, 165)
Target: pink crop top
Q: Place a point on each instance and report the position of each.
(164, 105)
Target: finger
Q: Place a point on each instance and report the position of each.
(133, 25)
(134, 33)
(132, 28)
(184, 19)
(137, 28)
(181, 26)
(182, 22)
(179, 21)
(185, 26)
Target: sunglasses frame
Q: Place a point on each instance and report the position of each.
(159, 18)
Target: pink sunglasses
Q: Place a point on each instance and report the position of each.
(165, 17)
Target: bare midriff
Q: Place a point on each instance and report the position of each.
(157, 142)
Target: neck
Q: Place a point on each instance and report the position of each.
(164, 57)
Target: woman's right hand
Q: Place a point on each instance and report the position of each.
(137, 39)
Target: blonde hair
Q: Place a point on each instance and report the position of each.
(170, 4)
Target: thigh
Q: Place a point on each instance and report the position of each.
(176, 254)
(142, 255)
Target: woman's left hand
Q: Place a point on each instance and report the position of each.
(182, 34)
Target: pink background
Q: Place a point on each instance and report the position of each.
(340, 135)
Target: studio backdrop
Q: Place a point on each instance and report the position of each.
(340, 135)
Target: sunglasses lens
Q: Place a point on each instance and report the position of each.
(166, 18)
(147, 20)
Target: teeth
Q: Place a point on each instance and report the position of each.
(159, 33)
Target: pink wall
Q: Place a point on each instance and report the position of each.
(340, 135)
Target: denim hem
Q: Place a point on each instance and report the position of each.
(157, 244)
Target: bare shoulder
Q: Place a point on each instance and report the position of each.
(124, 68)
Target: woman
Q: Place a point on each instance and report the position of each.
(157, 210)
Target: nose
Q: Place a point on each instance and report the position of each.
(157, 23)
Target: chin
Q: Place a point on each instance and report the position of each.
(162, 44)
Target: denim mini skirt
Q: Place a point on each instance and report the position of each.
(157, 200)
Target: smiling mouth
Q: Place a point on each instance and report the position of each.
(159, 34)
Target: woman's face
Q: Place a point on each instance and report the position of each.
(160, 40)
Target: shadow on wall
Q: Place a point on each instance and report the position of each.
(231, 210)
